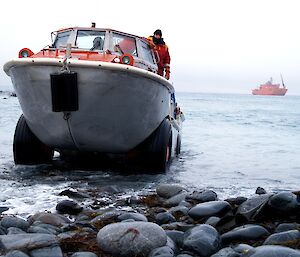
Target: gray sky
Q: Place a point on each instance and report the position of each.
(221, 46)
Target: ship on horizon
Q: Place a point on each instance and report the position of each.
(270, 89)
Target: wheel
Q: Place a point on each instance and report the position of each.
(28, 149)
(159, 147)
(178, 145)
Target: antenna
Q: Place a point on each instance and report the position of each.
(282, 81)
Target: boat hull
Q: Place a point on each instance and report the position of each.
(119, 106)
(270, 90)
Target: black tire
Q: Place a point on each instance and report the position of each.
(159, 147)
(28, 149)
(178, 145)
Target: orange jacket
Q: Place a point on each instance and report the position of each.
(164, 56)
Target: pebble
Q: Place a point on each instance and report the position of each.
(26, 241)
(16, 253)
(203, 240)
(273, 251)
(202, 196)
(284, 202)
(131, 238)
(252, 207)
(9, 221)
(68, 207)
(56, 220)
(51, 251)
(244, 233)
(175, 200)
(132, 216)
(84, 254)
(214, 208)
(169, 190)
(287, 238)
(164, 217)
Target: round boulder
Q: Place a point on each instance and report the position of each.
(167, 191)
(203, 240)
(68, 207)
(284, 202)
(244, 234)
(131, 238)
(208, 209)
(273, 251)
(287, 238)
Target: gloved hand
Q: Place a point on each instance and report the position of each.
(167, 73)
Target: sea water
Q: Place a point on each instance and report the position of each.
(231, 144)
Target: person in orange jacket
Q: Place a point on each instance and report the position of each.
(163, 53)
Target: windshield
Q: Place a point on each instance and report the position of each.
(90, 40)
(124, 44)
(61, 39)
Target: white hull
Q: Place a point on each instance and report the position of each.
(119, 105)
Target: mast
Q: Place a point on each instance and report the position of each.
(282, 81)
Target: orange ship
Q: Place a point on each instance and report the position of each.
(270, 89)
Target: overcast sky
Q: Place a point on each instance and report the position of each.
(221, 46)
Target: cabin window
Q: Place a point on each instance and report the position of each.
(61, 39)
(90, 40)
(146, 52)
(124, 44)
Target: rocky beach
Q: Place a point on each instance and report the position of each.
(170, 221)
(208, 202)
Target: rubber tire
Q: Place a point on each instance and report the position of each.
(159, 143)
(28, 149)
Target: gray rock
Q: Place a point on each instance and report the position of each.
(26, 241)
(214, 208)
(68, 207)
(129, 220)
(260, 191)
(244, 234)
(73, 194)
(202, 196)
(179, 211)
(51, 251)
(163, 251)
(184, 255)
(52, 229)
(3, 209)
(287, 238)
(3, 231)
(131, 238)
(272, 251)
(242, 248)
(213, 221)
(16, 253)
(168, 191)
(284, 202)
(164, 217)
(286, 227)
(175, 200)
(226, 252)
(84, 254)
(107, 216)
(236, 200)
(9, 221)
(203, 240)
(13, 230)
(56, 220)
(185, 203)
(133, 216)
(252, 208)
(170, 243)
(37, 229)
(181, 226)
(176, 236)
